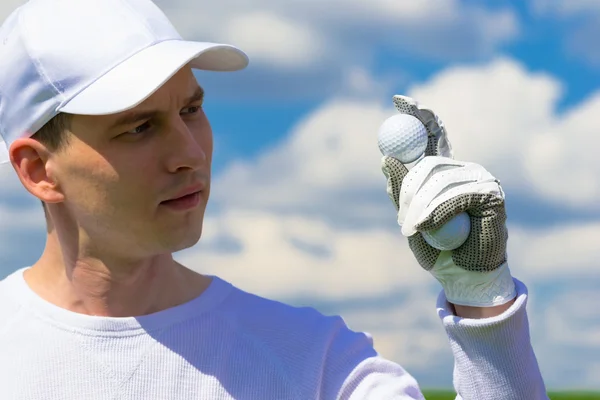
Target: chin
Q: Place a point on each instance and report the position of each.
(184, 242)
(181, 234)
(188, 244)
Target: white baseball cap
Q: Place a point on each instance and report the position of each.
(91, 57)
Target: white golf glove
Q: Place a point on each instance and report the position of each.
(438, 188)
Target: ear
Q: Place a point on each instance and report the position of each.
(34, 166)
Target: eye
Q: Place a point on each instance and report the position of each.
(191, 110)
(140, 129)
(137, 131)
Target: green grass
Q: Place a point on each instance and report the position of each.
(575, 396)
(440, 395)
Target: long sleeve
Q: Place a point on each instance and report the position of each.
(494, 358)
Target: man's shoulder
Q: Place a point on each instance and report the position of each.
(9, 299)
(300, 326)
(307, 341)
(253, 308)
(11, 283)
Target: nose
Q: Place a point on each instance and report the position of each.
(185, 146)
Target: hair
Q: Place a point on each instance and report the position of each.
(54, 135)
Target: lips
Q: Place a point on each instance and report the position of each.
(181, 197)
(186, 199)
(191, 190)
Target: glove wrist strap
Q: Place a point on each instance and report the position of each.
(474, 288)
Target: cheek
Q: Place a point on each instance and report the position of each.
(87, 183)
(94, 187)
(204, 135)
(209, 148)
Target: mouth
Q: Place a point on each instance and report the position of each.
(187, 201)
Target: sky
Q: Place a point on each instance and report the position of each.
(299, 211)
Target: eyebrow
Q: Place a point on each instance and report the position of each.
(136, 116)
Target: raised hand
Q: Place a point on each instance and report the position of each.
(435, 190)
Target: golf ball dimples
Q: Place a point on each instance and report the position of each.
(451, 235)
(403, 137)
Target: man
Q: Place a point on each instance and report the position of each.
(103, 122)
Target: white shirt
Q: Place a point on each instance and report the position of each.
(230, 344)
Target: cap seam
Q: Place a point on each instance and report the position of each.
(35, 60)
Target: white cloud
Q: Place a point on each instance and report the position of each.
(549, 252)
(327, 163)
(290, 256)
(20, 213)
(24, 219)
(504, 117)
(275, 40)
(350, 29)
(498, 114)
(580, 327)
(561, 162)
(9, 179)
(359, 83)
(22, 226)
(566, 326)
(492, 111)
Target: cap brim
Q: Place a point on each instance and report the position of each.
(134, 80)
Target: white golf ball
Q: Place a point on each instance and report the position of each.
(451, 235)
(403, 137)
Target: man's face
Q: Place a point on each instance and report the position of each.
(119, 172)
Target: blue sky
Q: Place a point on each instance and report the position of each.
(299, 210)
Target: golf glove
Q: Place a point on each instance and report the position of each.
(436, 189)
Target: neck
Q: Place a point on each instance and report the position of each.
(106, 286)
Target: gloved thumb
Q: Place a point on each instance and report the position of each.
(395, 172)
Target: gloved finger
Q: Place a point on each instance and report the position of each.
(476, 204)
(445, 200)
(425, 202)
(485, 248)
(425, 255)
(427, 169)
(438, 143)
(442, 186)
(395, 172)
